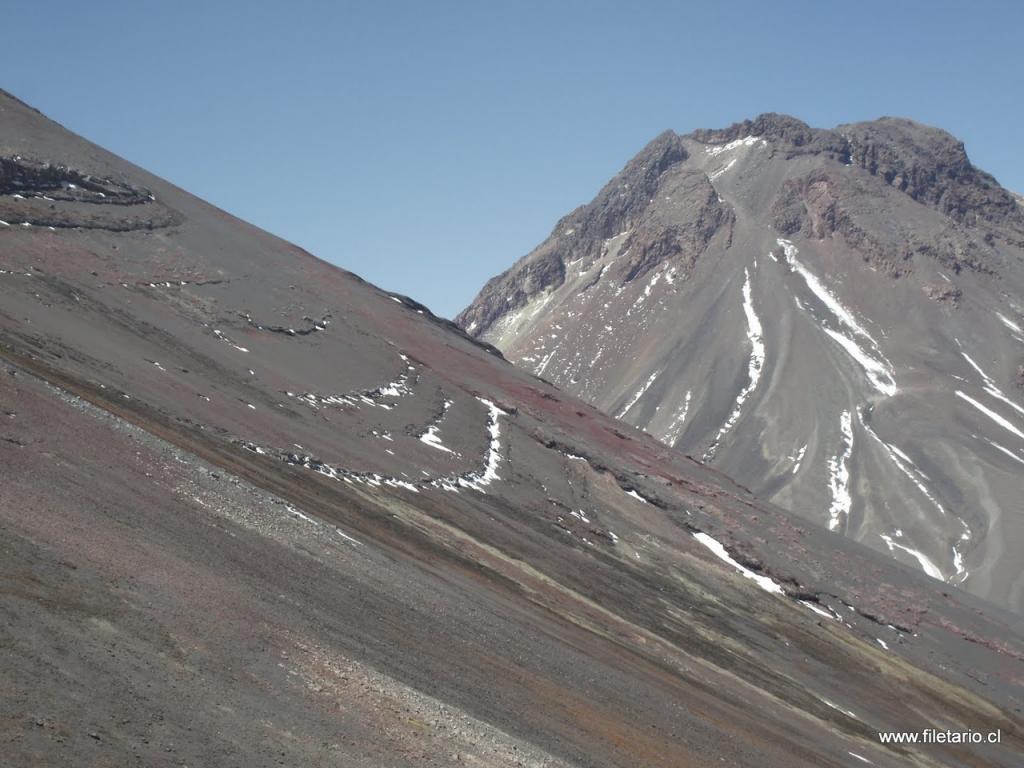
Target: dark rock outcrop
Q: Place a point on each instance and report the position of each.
(932, 167)
(47, 195)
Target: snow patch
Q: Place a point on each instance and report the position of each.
(764, 582)
(839, 475)
(799, 458)
(430, 438)
(220, 335)
(477, 481)
(755, 335)
(746, 141)
(715, 174)
(580, 515)
(817, 610)
(926, 564)
(675, 429)
(395, 389)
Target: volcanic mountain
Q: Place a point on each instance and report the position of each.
(257, 512)
(831, 317)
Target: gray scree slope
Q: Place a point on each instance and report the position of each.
(831, 317)
(257, 512)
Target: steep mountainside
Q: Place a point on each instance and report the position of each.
(257, 512)
(831, 317)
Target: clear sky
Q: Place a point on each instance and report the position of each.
(427, 145)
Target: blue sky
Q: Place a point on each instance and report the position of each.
(427, 145)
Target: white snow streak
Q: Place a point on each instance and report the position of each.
(991, 414)
(335, 473)
(839, 475)
(926, 565)
(989, 385)
(346, 537)
(820, 291)
(764, 582)
(958, 562)
(398, 388)
(905, 465)
(878, 370)
(799, 458)
(755, 335)
(1007, 451)
(480, 480)
(220, 335)
(300, 515)
(746, 141)
(675, 429)
(836, 707)
(816, 609)
(638, 395)
(430, 438)
(917, 477)
(1009, 323)
(878, 373)
(715, 174)
(544, 363)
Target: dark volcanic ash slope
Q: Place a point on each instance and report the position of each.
(257, 512)
(831, 317)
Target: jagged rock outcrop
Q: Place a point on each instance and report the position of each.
(932, 167)
(41, 194)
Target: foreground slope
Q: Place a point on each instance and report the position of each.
(831, 317)
(258, 512)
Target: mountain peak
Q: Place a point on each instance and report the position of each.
(769, 125)
(769, 296)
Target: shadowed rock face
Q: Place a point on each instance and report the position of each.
(831, 317)
(255, 511)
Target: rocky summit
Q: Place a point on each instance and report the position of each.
(257, 512)
(833, 318)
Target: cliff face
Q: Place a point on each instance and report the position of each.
(833, 317)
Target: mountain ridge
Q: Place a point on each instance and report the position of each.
(891, 204)
(854, 142)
